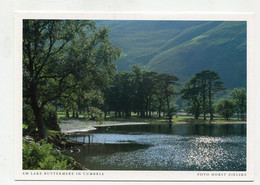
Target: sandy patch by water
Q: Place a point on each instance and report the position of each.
(74, 125)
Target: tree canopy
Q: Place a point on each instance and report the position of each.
(225, 108)
(239, 97)
(141, 91)
(199, 91)
(61, 55)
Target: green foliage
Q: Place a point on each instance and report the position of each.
(41, 156)
(142, 92)
(171, 112)
(59, 58)
(50, 117)
(191, 92)
(28, 120)
(96, 114)
(184, 48)
(210, 83)
(200, 90)
(239, 97)
(225, 108)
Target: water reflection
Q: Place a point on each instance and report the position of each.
(218, 147)
(182, 129)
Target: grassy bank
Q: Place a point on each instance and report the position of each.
(175, 119)
(154, 119)
(84, 124)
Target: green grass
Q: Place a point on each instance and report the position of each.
(137, 119)
(175, 119)
(190, 119)
(62, 115)
(153, 119)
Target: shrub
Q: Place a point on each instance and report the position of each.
(225, 108)
(50, 117)
(96, 114)
(41, 156)
(29, 126)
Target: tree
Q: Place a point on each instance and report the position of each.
(57, 56)
(209, 84)
(214, 85)
(125, 94)
(239, 97)
(168, 82)
(191, 92)
(141, 91)
(149, 88)
(159, 94)
(201, 79)
(200, 90)
(226, 108)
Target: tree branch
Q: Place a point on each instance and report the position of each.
(51, 43)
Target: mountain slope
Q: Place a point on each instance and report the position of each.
(183, 47)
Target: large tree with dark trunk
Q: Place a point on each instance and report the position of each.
(191, 91)
(169, 82)
(200, 90)
(209, 84)
(57, 56)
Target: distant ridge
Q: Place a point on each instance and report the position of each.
(183, 47)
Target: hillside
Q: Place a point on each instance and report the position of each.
(183, 47)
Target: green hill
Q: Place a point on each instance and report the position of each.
(183, 47)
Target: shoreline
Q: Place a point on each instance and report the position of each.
(83, 127)
(74, 125)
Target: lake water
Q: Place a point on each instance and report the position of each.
(186, 147)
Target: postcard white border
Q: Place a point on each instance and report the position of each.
(134, 175)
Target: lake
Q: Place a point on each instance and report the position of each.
(183, 147)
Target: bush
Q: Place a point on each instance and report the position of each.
(41, 156)
(50, 117)
(96, 114)
(225, 108)
(29, 126)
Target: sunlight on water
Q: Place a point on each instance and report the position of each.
(169, 152)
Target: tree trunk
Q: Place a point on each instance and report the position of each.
(210, 102)
(170, 119)
(238, 116)
(142, 114)
(146, 110)
(56, 107)
(38, 119)
(37, 113)
(149, 106)
(168, 106)
(197, 114)
(242, 115)
(159, 110)
(67, 114)
(204, 105)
